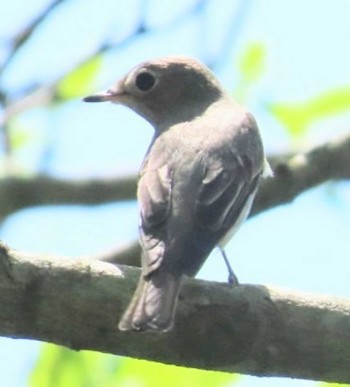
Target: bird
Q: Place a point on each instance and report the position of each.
(196, 184)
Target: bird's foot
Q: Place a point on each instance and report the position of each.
(233, 280)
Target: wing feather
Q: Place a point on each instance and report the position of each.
(225, 189)
(154, 195)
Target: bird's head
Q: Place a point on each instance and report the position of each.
(165, 91)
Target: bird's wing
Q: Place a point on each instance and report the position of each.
(154, 196)
(226, 187)
(231, 173)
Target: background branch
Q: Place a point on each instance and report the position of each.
(24, 35)
(296, 173)
(41, 95)
(293, 175)
(17, 193)
(250, 329)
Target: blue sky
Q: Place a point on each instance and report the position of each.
(303, 245)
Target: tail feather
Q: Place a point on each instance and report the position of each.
(153, 304)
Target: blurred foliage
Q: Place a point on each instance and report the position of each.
(61, 367)
(333, 385)
(298, 117)
(143, 373)
(19, 136)
(295, 117)
(252, 63)
(251, 66)
(80, 80)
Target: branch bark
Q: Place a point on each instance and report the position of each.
(293, 175)
(256, 330)
(18, 193)
(296, 173)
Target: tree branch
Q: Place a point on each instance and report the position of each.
(296, 173)
(39, 95)
(18, 193)
(128, 254)
(23, 36)
(293, 175)
(250, 329)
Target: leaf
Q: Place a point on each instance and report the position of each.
(19, 137)
(252, 63)
(141, 373)
(60, 367)
(79, 81)
(298, 117)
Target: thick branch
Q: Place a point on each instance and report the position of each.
(128, 254)
(250, 329)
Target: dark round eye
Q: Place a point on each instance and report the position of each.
(145, 81)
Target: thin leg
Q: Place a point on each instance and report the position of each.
(232, 278)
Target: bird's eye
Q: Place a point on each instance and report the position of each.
(145, 81)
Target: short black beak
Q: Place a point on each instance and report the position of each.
(104, 96)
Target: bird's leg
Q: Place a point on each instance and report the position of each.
(232, 278)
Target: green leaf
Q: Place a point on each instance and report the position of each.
(252, 63)
(19, 137)
(141, 373)
(298, 117)
(61, 367)
(79, 81)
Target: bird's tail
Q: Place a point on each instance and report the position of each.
(153, 304)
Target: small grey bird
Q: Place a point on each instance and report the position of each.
(197, 182)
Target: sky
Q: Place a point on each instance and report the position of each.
(302, 245)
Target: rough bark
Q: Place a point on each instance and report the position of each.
(256, 330)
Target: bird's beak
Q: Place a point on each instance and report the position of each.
(111, 95)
